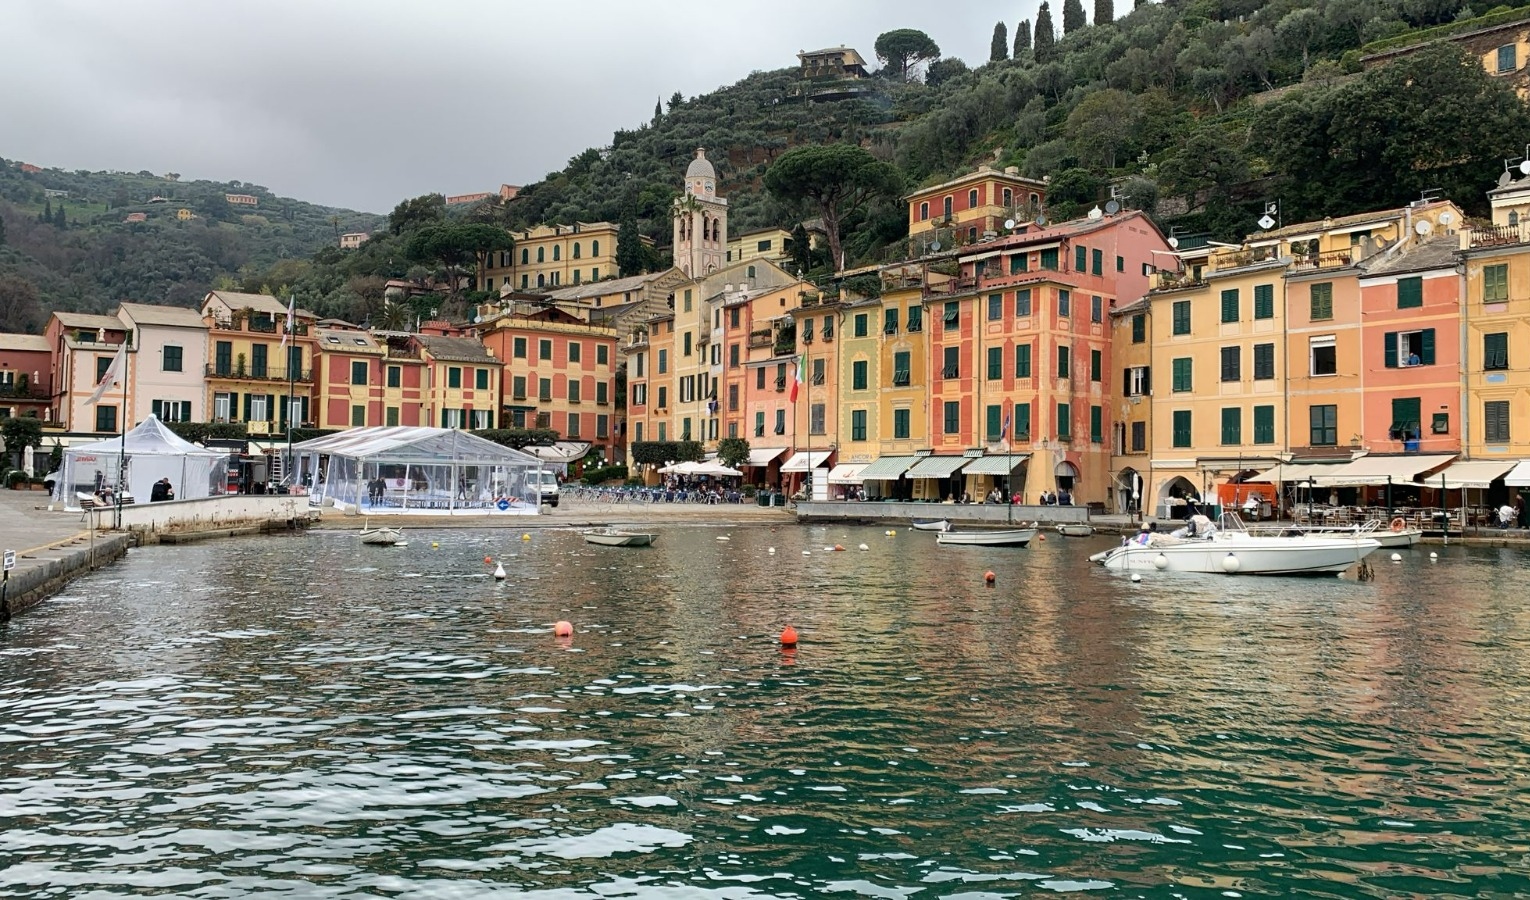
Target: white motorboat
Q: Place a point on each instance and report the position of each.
(611, 537)
(1075, 529)
(1008, 537)
(1397, 533)
(381, 536)
(1232, 550)
(931, 524)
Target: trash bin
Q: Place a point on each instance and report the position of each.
(775, 499)
(762, 498)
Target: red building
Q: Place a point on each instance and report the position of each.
(26, 376)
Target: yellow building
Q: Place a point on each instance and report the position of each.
(552, 256)
(864, 394)
(773, 244)
(1132, 352)
(249, 371)
(1497, 314)
(463, 382)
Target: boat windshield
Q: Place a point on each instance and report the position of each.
(1231, 521)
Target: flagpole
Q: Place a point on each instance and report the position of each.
(291, 377)
(122, 448)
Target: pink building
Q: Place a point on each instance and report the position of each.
(1410, 350)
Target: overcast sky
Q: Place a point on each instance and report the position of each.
(362, 104)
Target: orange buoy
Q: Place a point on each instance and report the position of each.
(563, 629)
(839, 547)
(788, 636)
(989, 576)
(488, 560)
(1041, 537)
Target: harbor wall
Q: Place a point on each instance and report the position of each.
(207, 516)
(993, 514)
(42, 572)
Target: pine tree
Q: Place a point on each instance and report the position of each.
(1073, 16)
(1022, 37)
(658, 110)
(1046, 36)
(1104, 11)
(998, 51)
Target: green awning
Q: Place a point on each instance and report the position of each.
(939, 466)
(1002, 464)
(888, 468)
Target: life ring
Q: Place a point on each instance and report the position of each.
(1398, 525)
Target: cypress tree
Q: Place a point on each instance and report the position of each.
(658, 110)
(58, 217)
(1104, 11)
(998, 50)
(2, 231)
(46, 216)
(1046, 36)
(1073, 16)
(1022, 37)
(629, 245)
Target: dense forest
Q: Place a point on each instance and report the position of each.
(1198, 111)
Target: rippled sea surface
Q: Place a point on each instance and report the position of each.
(305, 717)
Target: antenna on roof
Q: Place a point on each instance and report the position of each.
(1271, 216)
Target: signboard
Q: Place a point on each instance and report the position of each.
(10, 560)
(503, 504)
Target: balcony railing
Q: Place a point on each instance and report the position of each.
(1169, 281)
(1237, 259)
(257, 325)
(1336, 259)
(761, 338)
(22, 392)
(1497, 235)
(247, 373)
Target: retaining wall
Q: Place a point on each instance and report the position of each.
(43, 572)
(208, 515)
(960, 513)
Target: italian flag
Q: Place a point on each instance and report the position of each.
(799, 376)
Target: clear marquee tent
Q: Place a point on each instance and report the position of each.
(153, 452)
(382, 470)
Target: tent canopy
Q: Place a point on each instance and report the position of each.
(888, 468)
(1520, 476)
(938, 466)
(153, 452)
(760, 457)
(846, 473)
(805, 460)
(409, 444)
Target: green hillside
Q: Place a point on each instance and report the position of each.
(66, 238)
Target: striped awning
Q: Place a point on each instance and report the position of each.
(939, 466)
(888, 468)
(1002, 464)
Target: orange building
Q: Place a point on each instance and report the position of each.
(559, 373)
(649, 349)
(364, 380)
(975, 205)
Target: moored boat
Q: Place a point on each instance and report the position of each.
(1007, 537)
(381, 536)
(1397, 533)
(1075, 529)
(931, 524)
(611, 537)
(1231, 550)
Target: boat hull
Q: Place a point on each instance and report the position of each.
(1405, 538)
(1248, 555)
(1075, 530)
(381, 537)
(931, 524)
(619, 539)
(1013, 537)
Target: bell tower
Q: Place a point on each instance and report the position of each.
(701, 221)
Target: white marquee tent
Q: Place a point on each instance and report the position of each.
(404, 469)
(153, 452)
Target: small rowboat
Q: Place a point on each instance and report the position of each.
(931, 524)
(1075, 529)
(1009, 537)
(610, 537)
(382, 536)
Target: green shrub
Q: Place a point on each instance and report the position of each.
(15, 477)
(604, 474)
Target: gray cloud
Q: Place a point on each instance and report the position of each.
(361, 104)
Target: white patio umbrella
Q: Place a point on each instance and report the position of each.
(715, 469)
(680, 468)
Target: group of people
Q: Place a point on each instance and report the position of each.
(1510, 516)
(1061, 498)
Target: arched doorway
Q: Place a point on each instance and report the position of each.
(1128, 492)
(1175, 497)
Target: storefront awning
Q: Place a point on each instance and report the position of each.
(846, 474)
(760, 457)
(939, 466)
(1471, 473)
(806, 460)
(1291, 473)
(888, 468)
(1378, 471)
(1519, 476)
(1000, 465)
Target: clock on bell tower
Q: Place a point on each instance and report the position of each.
(701, 221)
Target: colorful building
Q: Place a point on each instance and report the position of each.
(967, 209)
(26, 376)
(815, 318)
(363, 379)
(560, 370)
(1131, 404)
(1496, 308)
(250, 372)
(774, 244)
(462, 382)
(169, 352)
(549, 256)
(83, 347)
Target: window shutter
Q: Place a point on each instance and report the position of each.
(1426, 352)
(1126, 380)
(1147, 381)
(185, 410)
(155, 409)
(305, 410)
(247, 406)
(1390, 349)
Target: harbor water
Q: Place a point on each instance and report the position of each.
(307, 717)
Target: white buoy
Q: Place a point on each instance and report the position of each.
(865, 547)
(772, 550)
(807, 553)
(1433, 555)
(499, 572)
(890, 532)
(1230, 564)
(1160, 562)
(828, 549)
(1397, 557)
(724, 537)
(1136, 578)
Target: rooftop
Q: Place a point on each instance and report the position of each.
(85, 320)
(26, 342)
(259, 302)
(1438, 252)
(153, 314)
(604, 288)
(456, 349)
(1305, 229)
(982, 173)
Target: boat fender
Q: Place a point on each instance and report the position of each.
(1398, 525)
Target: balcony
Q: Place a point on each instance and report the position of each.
(264, 326)
(1173, 281)
(1496, 236)
(1337, 259)
(402, 353)
(1237, 259)
(762, 338)
(236, 372)
(22, 392)
(637, 340)
(806, 299)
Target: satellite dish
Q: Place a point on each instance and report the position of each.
(1009, 224)
(1112, 207)
(934, 246)
(1524, 167)
(1447, 217)
(1423, 226)
(1095, 213)
(1174, 243)
(1266, 223)
(1505, 178)
(1041, 220)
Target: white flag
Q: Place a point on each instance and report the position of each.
(113, 371)
(291, 302)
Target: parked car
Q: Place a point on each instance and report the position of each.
(548, 487)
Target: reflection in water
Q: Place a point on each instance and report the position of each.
(310, 718)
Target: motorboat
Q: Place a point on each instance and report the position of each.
(1230, 549)
(1006, 537)
(1397, 533)
(931, 524)
(1075, 529)
(382, 536)
(611, 537)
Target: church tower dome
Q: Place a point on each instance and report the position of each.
(701, 220)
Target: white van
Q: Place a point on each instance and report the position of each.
(548, 487)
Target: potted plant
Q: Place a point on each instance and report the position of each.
(239, 366)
